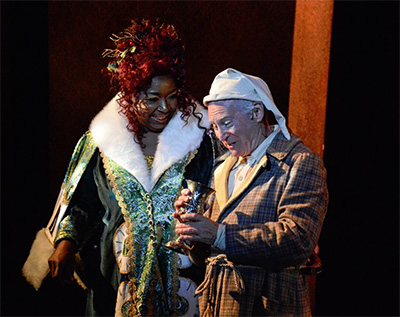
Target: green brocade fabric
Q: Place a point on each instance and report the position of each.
(83, 152)
(81, 156)
(153, 270)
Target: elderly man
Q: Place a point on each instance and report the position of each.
(266, 216)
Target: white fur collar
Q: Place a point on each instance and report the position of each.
(116, 142)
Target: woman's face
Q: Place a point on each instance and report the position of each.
(161, 101)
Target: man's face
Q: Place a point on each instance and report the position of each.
(233, 127)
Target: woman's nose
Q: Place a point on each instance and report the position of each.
(163, 107)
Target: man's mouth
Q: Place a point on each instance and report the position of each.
(229, 145)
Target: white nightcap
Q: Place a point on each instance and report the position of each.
(232, 84)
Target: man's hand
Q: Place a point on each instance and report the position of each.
(62, 262)
(182, 201)
(197, 228)
(191, 226)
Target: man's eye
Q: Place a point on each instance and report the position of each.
(227, 123)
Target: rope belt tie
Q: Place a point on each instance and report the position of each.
(213, 282)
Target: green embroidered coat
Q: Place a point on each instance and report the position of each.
(119, 213)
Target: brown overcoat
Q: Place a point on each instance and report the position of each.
(273, 223)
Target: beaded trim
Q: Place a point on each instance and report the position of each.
(117, 193)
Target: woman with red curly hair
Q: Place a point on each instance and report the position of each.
(114, 213)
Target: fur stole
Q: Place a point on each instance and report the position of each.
(117, 143)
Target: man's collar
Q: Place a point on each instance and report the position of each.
(281, 147)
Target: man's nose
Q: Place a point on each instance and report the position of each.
(221, 135)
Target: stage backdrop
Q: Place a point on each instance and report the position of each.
(51, 102)
(253, 37)
(52, 87)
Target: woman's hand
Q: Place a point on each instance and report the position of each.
(62, 262)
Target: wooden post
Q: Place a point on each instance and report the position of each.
(309, 80)
(310, 69)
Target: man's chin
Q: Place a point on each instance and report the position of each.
(234, 153)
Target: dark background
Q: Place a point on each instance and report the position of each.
(51, 87)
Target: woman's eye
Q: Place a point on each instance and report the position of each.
(174, 96)
(151, 99)
(214, 127)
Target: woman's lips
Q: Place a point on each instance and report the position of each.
(160, 119)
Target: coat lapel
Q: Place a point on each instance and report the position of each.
(221, 176)
(221, 183)
(248, 180)
(176, 141)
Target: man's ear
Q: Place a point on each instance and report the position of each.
(258, 111)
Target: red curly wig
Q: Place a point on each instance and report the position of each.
(144, 51)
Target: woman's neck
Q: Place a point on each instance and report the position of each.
(150, 140)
